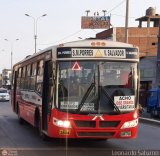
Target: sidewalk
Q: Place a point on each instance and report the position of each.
(145, 114)
(145, 117)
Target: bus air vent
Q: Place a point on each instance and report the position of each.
(104, 124)
(80, 123)
(96, 134)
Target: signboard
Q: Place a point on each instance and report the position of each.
(125, 103)
(74, 105)
(95, 22)
(115, 53)
(69, 105)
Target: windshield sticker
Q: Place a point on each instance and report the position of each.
(69, 105)
(125, 103)
(76, 66)
(88, 107)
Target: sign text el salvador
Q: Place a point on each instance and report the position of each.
(120, 53)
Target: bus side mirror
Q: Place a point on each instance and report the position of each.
(140, 108)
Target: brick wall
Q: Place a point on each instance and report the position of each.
(145, 38)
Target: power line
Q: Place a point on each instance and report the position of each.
(82, 29)
(121, 15)
(119, 4)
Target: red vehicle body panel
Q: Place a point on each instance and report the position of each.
(27, 112)
(97, 131)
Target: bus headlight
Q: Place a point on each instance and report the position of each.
(135, 115)
(61, 123)
(130, 124)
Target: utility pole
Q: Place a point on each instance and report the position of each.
(35, 28)
(11, 46)
(126, 21)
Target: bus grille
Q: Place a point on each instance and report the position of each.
(96, 134)
(80, 123)
(107, 124)
(92, 124)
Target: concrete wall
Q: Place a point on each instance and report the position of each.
(148, 69)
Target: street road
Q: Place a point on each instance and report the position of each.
(23, 140)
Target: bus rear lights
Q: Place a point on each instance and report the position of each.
(61, 123)
(130, 124)
(126, 134)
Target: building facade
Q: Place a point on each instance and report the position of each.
(145, 38)
(6, 78)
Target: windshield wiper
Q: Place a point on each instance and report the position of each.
(110, 99)
(92, 85)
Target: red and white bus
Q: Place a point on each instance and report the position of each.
(81, 89)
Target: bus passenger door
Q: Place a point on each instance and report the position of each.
(46, 95)
(14, 89)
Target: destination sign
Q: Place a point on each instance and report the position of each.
(82, 52)
(114, 53)
(119, 53)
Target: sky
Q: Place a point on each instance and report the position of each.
(62, 23)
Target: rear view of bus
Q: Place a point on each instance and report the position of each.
(96, 90)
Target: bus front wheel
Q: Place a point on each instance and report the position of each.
(40, 132)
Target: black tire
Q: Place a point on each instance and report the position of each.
(43, 136)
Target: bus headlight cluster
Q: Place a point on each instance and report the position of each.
(61, 123)
(135, 115)
(130, 124)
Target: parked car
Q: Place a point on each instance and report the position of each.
(4, 95)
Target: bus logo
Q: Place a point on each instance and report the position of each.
(98, 54)
(98, 116)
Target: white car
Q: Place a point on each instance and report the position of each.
(4, 95)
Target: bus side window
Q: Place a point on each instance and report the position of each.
(33, 76)
(39, 80)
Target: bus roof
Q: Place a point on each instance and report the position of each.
(96, 42)
(82, 43)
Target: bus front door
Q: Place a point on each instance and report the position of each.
(14, 92)
(46, 95)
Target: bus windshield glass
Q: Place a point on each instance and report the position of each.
(96, 86)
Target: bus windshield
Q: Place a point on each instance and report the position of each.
(96, 86)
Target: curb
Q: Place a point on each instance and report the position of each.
(149, 121)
